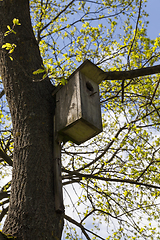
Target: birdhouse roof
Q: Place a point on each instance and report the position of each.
(91, 71)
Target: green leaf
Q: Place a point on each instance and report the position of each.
(8, 27)
(16, 21)
(11, 58)
(6, 33)
(38, 71)
(63, 81)
(11, 50)
(44, 76)
(7, 46)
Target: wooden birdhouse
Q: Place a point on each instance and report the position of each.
(78, 111)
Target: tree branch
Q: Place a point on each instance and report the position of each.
(5, 202)
(56, 17)
(82, 228)
(115, 137)
(70, 181)
(154, 91)
(77, 224)
(6, 158)
(152, 162)
(139, 14)
(104, 151)
(4, 195)
(121, 75)
(3, 213)
(2, 93)
(6, 186)
(135, 182)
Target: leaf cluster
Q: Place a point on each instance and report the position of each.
(113, 179)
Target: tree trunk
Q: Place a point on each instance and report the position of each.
(32, 210)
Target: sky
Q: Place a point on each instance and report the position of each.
(153, 8)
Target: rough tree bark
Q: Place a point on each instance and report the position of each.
(31, 212)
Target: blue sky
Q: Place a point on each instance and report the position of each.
(153, 8)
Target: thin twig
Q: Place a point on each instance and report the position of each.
(2, 93)
(77, 224)
(6, 158)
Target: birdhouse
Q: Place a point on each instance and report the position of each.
(78, 111)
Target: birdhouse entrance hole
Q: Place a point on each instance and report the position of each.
(89, 86)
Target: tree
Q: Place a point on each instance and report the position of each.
(118, 171)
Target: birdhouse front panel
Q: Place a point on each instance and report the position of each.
(78, 113)
(90, 102)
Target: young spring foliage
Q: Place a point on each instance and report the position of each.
(115, 176)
